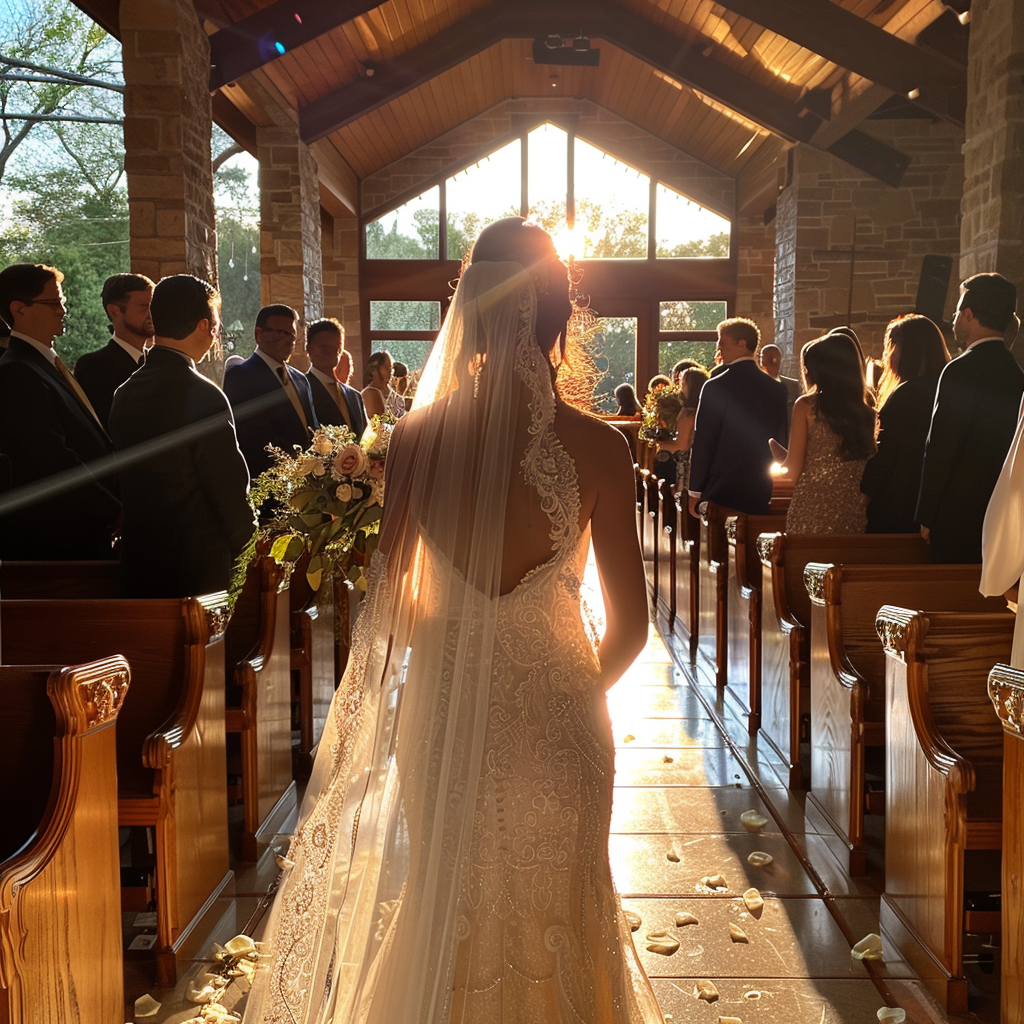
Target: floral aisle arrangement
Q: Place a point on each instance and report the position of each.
(328, 503)
(662, 406)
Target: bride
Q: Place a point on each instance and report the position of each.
(451, 866)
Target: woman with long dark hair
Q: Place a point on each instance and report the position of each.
(913, 357)
(832, 436)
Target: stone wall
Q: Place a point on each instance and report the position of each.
(755, 272)
(340, 238)
(827, 201)
(470, 140)
(167, 127)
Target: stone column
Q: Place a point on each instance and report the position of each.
(340, 238)
(992, 228)
(167, 127)
(290, 260)
(755, 269)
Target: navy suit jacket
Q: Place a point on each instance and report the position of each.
(101, 373)
(263, 413)
(973, 423)
(47, 433)
(327, 410)
(186, 514)
(730, 461)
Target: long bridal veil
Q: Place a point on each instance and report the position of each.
(366, 923)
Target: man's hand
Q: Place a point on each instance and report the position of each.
(694, 501)
(925, 532)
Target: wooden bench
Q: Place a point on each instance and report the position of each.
(848, 672)
(60, 579)
(943, 801)
(665, 594)
(786, 618)
(1006, 692)
(686, 559)
(171, 767)
(60, 920)
(258, 700)
(313, 664)
(713, 593)
(744, 611)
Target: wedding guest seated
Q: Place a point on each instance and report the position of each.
(833, 436)
(271, 400)
(912, 359)
(62, 502)
(628, 407)
(126, 299)
(183, 479)
(376, 383)
(677, 412)
(336, 403)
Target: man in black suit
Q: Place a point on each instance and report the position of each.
(183, 479)
(126, 299)
(770, 359)
(336, 404)
(271, 400)
(740, 409)
(973, 422)
(62, 501)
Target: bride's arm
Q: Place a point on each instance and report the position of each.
(619, 565)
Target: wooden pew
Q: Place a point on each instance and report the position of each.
(313, 660)
(665, 595)
(943, 798)
(848, 670)
(60, 579)
(60, 920)
(171, 767)
(258, 700)
(646, 513)
(744, 610)
(686, 559)
(713, 593)
(786, 618)
(1006, 692)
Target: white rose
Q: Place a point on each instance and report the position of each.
(322, 444)
(351, 461)
(318, 468)
(344, 492)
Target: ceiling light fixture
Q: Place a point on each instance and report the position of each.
(554, 42)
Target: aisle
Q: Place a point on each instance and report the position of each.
(681, 787)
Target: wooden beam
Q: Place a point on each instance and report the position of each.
(604, 19)
(269, 33)
(859, 46)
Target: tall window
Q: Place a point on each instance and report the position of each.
(686, 330)
(481, 194)
(408, 233)
(405, 329)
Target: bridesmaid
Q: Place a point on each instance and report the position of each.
(830, 441)
(915, 353)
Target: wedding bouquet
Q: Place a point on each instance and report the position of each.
(662, 407)
(328, 503)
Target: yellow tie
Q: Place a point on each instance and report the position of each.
(293, 395)
(342, 405)
(76, 387)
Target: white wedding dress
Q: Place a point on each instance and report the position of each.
(452, 862)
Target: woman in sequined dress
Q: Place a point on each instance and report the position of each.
(831, 439)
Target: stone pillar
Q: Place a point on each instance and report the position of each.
(290, 261)
(992, 228)
(340, 238)
(755, 269)
(167, 127)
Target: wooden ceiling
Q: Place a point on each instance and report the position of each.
(723, 81)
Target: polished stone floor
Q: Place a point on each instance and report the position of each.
(686, 772)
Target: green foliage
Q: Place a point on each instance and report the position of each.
(239, 283)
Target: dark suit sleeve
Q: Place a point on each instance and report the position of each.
(222, 472)
(27, 410)
(954, 406)
(782, 418)
(306, 395)
(707, 428)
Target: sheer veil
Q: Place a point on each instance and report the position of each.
(366, 923)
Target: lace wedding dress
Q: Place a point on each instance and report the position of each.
(452, 862)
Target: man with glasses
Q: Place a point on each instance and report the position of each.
(60, 504)
(271, 400)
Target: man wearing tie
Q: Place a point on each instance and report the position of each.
(335, 403)
(64, 501)
(271, 400)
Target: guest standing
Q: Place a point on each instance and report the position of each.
(771, 362)
(628, 407)
(271, 400)
(912, 359)
(672, 459)
(335, 403)
(833, 435)
(126, 299)
(67, 507)
(183, 479)
(376, 383)
(740, 409)
(973, 422)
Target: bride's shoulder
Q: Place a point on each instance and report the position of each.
(589, 440)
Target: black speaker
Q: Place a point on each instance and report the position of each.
(933, 286)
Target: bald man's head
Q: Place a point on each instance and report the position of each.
(771, 360)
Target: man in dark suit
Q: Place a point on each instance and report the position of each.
(126, 299)
(335, 403)
(973, 422)
(740, 409)
(271, 400)
(183, 479)
(770, 359)
(62, 501)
